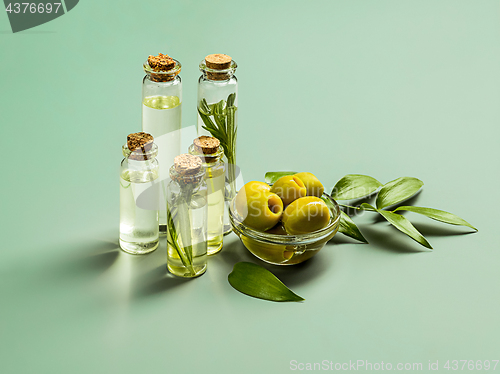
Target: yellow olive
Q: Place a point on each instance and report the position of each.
(251, 188)
(259, 208)
(289, 188)
(313, 185)
(305, 215)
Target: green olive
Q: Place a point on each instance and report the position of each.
(305, 215)
(259, 208)
(313, 185)
(289, 188)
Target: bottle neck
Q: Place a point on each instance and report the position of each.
(151, 79)
(140, 154)
(162, 76)
(210, 159)
(192, 181)
(217, 75)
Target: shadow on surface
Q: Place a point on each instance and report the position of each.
(442, 229)
(394, 241)
(89, 259)
(99, 262)
(301, 273)
(234, 252)
(340, 238)
(157, 281)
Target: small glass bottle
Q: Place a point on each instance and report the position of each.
(209, 150)
(187, 218)
(161, 115)
(217, 107)
(139, 195)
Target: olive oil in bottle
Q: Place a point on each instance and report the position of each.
(161, 116)
(217, 107)
(187, 218)
(139, 195)
(210, 152)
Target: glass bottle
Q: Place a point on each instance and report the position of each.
(210, 152)
(217, 107)
(139, 194)
(161, 116)
(187, 218)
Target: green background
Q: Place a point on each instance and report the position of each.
(384, 88)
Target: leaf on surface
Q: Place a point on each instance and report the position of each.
(253, 280)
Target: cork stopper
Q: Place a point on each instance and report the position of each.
(206, 145)
(162, 64)
(186, 164)
(139, 144)
(218, 61)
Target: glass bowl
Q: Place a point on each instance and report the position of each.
(281, 249)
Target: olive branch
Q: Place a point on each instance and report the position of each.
(356, 186)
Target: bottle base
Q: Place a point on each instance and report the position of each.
(214, 243)
(227, 229)
(212, 250)
(138, 248)
(182, 272)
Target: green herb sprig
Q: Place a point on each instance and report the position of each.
(220, 122)
(179, 228)
(356, 186)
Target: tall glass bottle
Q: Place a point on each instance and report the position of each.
(217, 110)
(161, 116)
(187, 218)
(139, 195)
(209, 150)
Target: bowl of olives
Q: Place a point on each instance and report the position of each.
(285, 223)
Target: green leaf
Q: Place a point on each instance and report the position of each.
(273, 176)
(206, 120)
(328, 202)
(349, 228)
(403, 225)
(204, 108)
(438, 215)
(253, 280)
(398, 190)
(369, 207)
(230, 100)
(354, 186)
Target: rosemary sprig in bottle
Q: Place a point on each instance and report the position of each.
(220, 122)
(179, 228)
